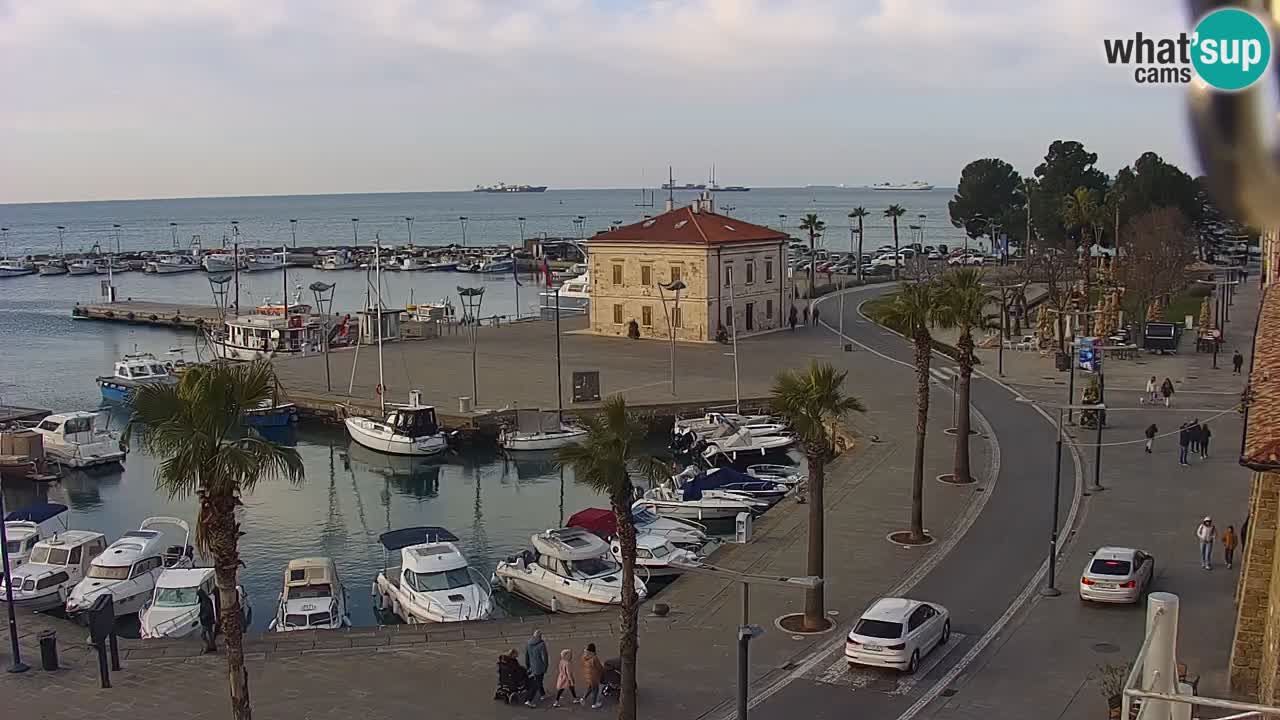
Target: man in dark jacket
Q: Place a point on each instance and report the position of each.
(1237, 362)
(1204, 440)
(535, 662)
(208, 620)
(1193, 431)
(1184, 442)
(1151, 432)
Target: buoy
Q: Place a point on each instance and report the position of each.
(130, 315)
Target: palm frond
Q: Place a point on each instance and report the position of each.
(811, 400)
(913, 309)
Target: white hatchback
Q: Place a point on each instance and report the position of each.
(896, 633)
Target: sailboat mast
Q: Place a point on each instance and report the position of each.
(377, 276)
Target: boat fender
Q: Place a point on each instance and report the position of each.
(176, 319)
(555, 604)
(108, 314)
(130, 315)
(378, 389)
(152, 317)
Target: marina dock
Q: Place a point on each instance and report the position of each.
(14, 413)
(141, 312)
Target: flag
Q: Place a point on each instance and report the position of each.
(546, 270)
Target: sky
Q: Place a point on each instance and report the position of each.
(117, 99)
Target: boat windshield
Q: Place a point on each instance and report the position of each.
(592, 567)
(643, 516)
(176, 597)
(295, 621)
(660, 551)
(13, 547)
(46, 555)
(104, 572)
(437, 581)
(319, 618)
(318, 590)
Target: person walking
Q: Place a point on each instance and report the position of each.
(1193, 432)
(816, 314)
(535, 663)
(208, 621)
(564, 677)
(806, 314)
(1184, 441)
(791, 318)
(1204, 440)
(1152, 392)
(1237, 362)
(1229, 545)
(1151, 432)
(1206, 532)
(592, 671)
(1166, 389)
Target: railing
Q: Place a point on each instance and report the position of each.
(162, 629)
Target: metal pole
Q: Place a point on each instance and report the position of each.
(1050, 580)
(293, 228)
(559, 381)
(1097, 448)
(733, 326)
(16, 666)
(1071, 384)
(1004, 331)
(744, 645)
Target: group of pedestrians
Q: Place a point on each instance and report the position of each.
(1193, 439)
(1207, 533)
(1155, 393)
(516, 680)
(809, 319)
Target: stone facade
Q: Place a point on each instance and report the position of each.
(1257, 635)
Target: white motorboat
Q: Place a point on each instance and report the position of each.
(265, 260)
(743, 443)
(222, 262)
(128, 569)
(914, 186)
(313, 597)
(540, 430)
(335, 260)
(728, 482)
(785, 474)
(75, 440)
(405, 430)
(574, 295)
(15, 268)
(26, 526)
(83, 266)
(256, 337)
(112, 265)
(433, 581)
(171, 264)
(656, 556)
(53, 267)
(569, 570)
(174, 610)
(692, 504)
(56, 564)
(725, 429)
(713, 420)
(684, 534)
(130, 371)
(412, 263)
(573, 271)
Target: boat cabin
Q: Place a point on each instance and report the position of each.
(312, 596)
(369, 325)
(429, 560)
(573, 553)
(141, 367)
(413, 420)
(271, 333)
(58, 560)
(73, 428)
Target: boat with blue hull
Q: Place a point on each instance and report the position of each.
(271, 415)
(131, 371)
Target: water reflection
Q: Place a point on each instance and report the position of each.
(83, 488)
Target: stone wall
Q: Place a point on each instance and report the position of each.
(1254, 649)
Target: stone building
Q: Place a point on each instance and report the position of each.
(704, 250)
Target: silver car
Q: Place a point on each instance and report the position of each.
(1117, 575)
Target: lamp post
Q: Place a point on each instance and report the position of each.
(323, 293)
(471, 299)
(355, 236)
(115, 228)
(1004, 324)
(293, 230)
(61, 229)
(733, 333)
(173, 233)
(1050, 589)
(408, 224)
(578, 223)
(462, 220)
(922, 217)
(675, 286)
(16, 665)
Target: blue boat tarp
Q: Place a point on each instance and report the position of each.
(724, 478)
(37, 513)
(404, 537)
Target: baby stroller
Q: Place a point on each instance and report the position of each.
(512, 682)
(611, 679)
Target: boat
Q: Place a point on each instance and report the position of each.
(539, 430)
(83, 266)
(441, 265)
(656, 556)
(716, 419)
(494, 264)
(742, 443)
(335, 260)
(726, 481)
(264, 260)
(132, 370)
(15, 268)
(53, 267)
(574, 295)
(692, 504)
(785, 474)
(725, 427)
(313, 597)
(270, 413)
(571, 272)
(174, 609)
(915, 186)
(405, 430)
(569, 570)
(505, 188)
(75, 440)
(56, 564)
(127, 570)
(684, 534)
(685, 186)
(222, 263)
(433, 582)
(111, 266)
(172, 264)
(255, 337)
(25, 527)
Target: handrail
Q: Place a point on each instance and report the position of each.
(161, 628)
(1136, 671)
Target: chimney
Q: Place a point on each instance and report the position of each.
(670, 205)
(705, 203)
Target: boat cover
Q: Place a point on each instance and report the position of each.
(37, 513)
(726, 478)
(536, 421)
(596, 520)
(404, 537)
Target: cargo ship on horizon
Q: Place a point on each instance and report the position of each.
(505, 188)
(917, 186)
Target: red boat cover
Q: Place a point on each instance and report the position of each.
(595, 520)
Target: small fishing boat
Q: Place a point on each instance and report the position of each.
(684, 534)
(264, 260)
(714, 420)
(656, 556)
(75, 440)
(270, 414)
(728, 482)
(569, 570)
(56, 564)
(172, 264)
(174, 609)
(743, 444)
(405, 430)
(111, 266)
(127, 570)
(540, 430)
(83, 266)
(15, 268)
(433, 582)
(131, 371)
(222, 262)
(693, 504)
(53, 267)
(313, 597)
(785, 474)
(335, 260)
(26, 526)
(257, 337)
(411, 263)
(442, 265)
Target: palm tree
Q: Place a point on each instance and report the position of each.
(602, 461)
(194, 428)
(812, 401)
(912, 312)
(859, 213)
(1081, 210)
(962, 301)
(815, 227)
(894, 212)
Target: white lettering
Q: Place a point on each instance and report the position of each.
(1209, 51)
(1252, 54)
(1230, 52)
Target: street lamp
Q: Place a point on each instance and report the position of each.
(471, 299)
(408, 224)
(173, 232)
(16, 665)
(1049, 589)
(675, 286)
(746, 631)
(355, 234)
(1004, 323)
(323, 293)
(61, 230)
(462, 220)
(293, 230)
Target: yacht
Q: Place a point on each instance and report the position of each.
(916, 186)
(132, 370)
(692, 504)
(25, 527)
(405, 430)
(265, 260)
(128, 568)
(256, 337)
(574, 295)
(83, 266)
(75, 440)
(432, 581)
(568, 570)
(15, 268)
(174, 610)
(53, 267)
(539, 430)
(684, 534)
(656, 556)
(313, 597)
(335, 260)
(57, 563)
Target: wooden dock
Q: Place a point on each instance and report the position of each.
(141, 312)
(14, 413)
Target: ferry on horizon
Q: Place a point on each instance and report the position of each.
(918, 185)
(685, 186)
(505, 188)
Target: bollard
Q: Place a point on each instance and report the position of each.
(115, 651)
(48, 650)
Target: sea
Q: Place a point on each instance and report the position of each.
(349, 495)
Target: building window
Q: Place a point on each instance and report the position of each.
(646, 275)
(675, 273)
(617, 313)
(751, 271)
(768, 309)
(728, 316)
(676, 320)
(617, 274)
(646, 316)
(728, 274)
(768, 270)
(751, 321)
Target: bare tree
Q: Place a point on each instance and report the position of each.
(1155, 249)
(1057, 271)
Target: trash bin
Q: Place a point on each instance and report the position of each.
(48, 649)
(1062, 361)
(464, 404)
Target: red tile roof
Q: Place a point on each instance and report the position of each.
(683, 226)
(1262, 431)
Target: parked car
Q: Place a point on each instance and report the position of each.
(971, 258)
(897, 633)
(1117, 575)
(943, 249)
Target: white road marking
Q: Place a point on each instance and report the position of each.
(885, 680)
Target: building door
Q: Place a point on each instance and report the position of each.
(751, 317)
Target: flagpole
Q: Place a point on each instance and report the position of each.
(515, 274)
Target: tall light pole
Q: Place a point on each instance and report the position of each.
(173, 233)
(16, 665)
(323, 293)
(922, 217)
(61, 229)
(462, 220)
(675, 286)
(733, 333)
(408, 224)
(355, 238)
(579, 222)
(471, 299)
